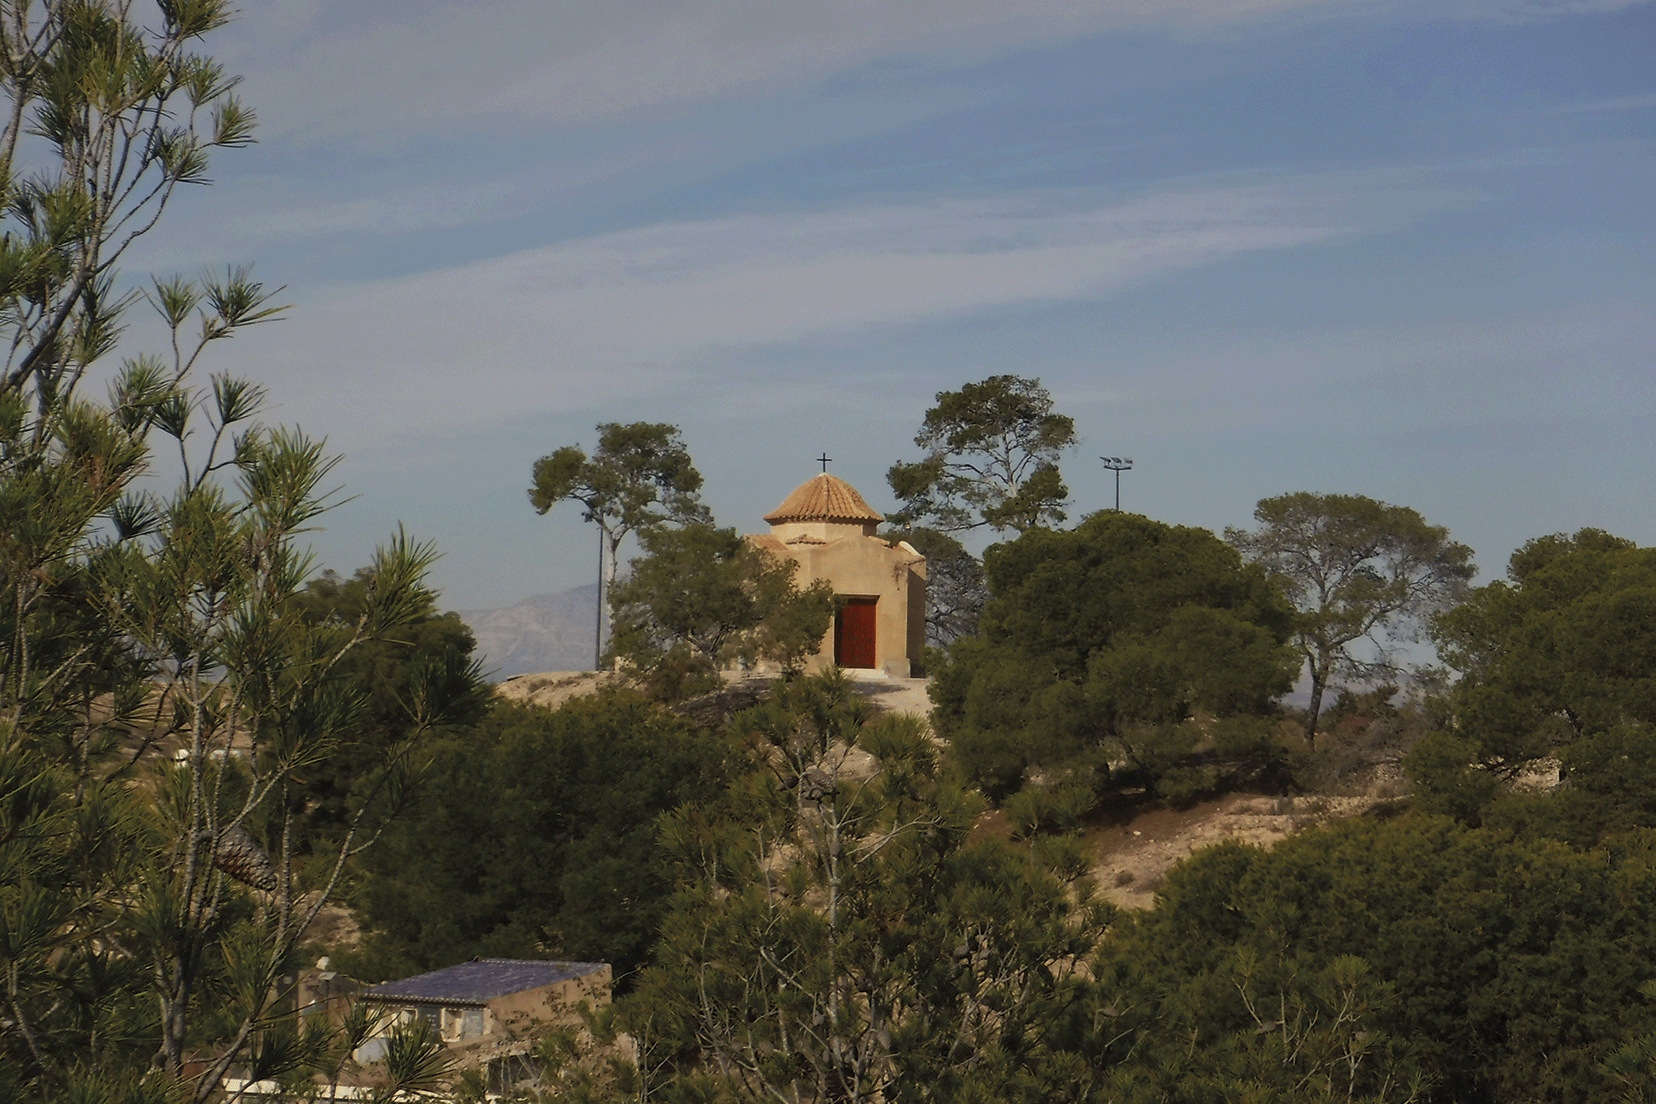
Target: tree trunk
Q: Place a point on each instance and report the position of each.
(1319, 682)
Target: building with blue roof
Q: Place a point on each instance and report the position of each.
(487, 1010)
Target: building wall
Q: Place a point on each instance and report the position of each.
(822, 530)
(505, 1019)
(859, 566)
(549, 1003)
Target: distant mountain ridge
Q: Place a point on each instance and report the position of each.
(544, 632)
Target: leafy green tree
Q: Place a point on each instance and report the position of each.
(1480, 966)
(991, 459)
(639, 479)
(160, 898)
(1102, 643)
(955, 587)
(702, 598)
(1603, 796)
(1545, 551)
(1258, 1029)
(1356, 570)
(1564, 649)
(1632, 1067)
(125, 111)
(1610, 777)
(537, 837)
(429, 649)
(1555, 662)
(836, 935)
(1446, 779)
(158, 695)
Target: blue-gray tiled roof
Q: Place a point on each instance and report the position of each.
(481, 980)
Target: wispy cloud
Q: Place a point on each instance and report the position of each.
(376, 74)
(591, 321)
(265, 213)
(311, 210)
(1641, 102)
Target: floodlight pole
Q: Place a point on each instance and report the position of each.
(1117, 464)
(598, 635)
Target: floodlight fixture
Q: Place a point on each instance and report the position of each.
(1117, 464)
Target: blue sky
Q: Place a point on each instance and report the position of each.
(1389, 247)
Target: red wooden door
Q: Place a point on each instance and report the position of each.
(854, 633)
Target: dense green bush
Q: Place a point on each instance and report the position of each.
(535, 837)
(1565, 648)
(1101, 644)
(1496, 967)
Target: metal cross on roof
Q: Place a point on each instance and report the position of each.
(825, 460)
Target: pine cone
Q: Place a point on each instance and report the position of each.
(817, 786)
(239, 857)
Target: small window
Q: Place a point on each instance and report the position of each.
(462, 1023)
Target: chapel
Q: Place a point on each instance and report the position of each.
(880, 619)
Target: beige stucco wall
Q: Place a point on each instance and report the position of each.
(509, 1021)
(822, 530)
(864, 566)
(549, 1003)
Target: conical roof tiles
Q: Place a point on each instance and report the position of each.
(823, 497)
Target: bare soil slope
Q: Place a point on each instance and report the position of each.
(1133, 856)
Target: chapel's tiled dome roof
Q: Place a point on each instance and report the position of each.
(823, 497)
